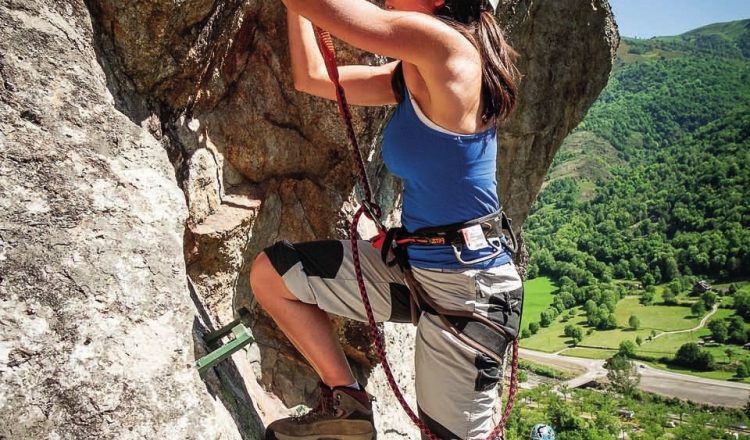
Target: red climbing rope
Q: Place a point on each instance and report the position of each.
(373, 212)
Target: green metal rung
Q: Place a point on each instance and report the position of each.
(242, 337)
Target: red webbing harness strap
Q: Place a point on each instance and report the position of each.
(372, 210)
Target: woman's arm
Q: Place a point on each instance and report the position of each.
(364, 85)
(413, 37)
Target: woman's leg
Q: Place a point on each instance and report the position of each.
(298, 284)
(307, 326)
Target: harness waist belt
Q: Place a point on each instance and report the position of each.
(494, 227)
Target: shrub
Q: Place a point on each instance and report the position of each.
(698, 308)
(719, 330)
(742, 371)
(534, 327)
(647, 298)
(690, 355)
(627, 348)
(634, 322)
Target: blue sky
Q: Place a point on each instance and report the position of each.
(649, 18)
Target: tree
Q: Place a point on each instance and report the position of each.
(546, 318)
(611, 321)
(525, 333)
(674, 287)
(742, 304)
(567, 299)
(648, 280)
(532, 271)
(627, 348)
(564, 416)
(670, 268)
(533, 327)
(742, 371)
(574, 332)
(669, 298)
(719, 330)
(736, 329)
(690, 355)
(623, 374)
(638, 340)
(698, 308)
(577, 335)
(709, 299)
(647, 298)
(634, 322)
(590, 306)
(568, 331)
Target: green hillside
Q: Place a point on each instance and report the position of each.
(653, 180)
(651, 189)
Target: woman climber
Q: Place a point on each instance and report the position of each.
(453, 81)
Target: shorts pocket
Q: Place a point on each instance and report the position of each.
(505, 309)
(488, 373)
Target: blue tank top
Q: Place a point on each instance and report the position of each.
(448, 178)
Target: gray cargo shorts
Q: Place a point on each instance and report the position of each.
(455, 384)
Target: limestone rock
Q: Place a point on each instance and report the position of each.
(96, 327)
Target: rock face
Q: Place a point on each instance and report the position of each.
(97, 325)
(149, 150)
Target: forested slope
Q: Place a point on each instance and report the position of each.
(667, 196)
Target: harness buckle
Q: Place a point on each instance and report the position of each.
(497, 249)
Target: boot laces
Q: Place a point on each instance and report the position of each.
(326, 407)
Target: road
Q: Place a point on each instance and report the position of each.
(665, 383)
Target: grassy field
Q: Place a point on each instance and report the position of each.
(656, 318)
(668, 345)
(547, 371)
(537, 296)
(552, 338)
(718, 375)
(612, 338)
(588, 353)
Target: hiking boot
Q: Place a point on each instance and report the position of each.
(342, 413)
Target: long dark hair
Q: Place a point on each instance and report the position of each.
(476, 22)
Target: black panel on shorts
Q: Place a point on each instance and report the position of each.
(436, 428)
(488, 372)
(484, 335)
(400, 304)
(505, 310)
(282, 256)
(321, 258)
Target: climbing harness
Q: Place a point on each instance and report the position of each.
(390, 241)
(492, 227)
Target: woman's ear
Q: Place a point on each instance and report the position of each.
(438, 4)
